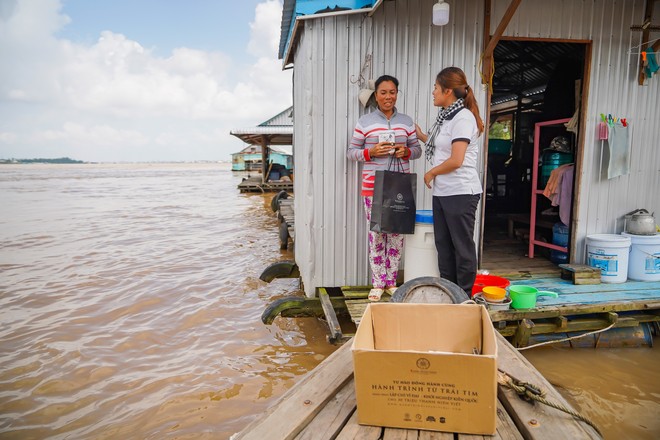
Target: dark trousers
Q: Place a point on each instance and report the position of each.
(453, 227)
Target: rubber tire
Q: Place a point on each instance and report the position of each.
(275, 202)
(447, 292)
(280, 269)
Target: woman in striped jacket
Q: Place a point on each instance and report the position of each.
(377, 136)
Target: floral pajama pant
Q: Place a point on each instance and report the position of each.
(384, 253)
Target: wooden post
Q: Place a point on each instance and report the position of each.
(523, 332)
(264, 158)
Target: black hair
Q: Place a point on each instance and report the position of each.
(384, 78)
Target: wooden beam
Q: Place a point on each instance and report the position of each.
(646, 34)
(508, 15)
(330, 316)
(492, 42)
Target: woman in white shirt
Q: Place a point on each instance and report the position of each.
(451, 147)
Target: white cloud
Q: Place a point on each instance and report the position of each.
(115, 93)
(264, 41)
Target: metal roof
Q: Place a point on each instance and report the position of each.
(523, 68)
(297, 8)
(277, 130)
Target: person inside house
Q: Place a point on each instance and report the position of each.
(451, 147)
(377, 136)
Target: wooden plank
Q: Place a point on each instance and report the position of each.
(574, 309)
(433, 435)
(506, 429)
(356, 308)
(400, 434)
(354, 431)
(333, 417)
(536, 421)
(567, 287)
(330, 316)
(298, 406)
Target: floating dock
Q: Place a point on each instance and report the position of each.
(323, 406)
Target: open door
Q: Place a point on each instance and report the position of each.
(538, 87)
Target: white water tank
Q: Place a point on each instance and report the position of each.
(420, 256)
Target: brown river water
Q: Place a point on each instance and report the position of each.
(130, 307)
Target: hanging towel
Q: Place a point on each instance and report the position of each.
(566, 194)
(619, 147)
(651, 63)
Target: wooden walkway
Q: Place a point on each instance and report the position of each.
(322, 406)
(287, 222)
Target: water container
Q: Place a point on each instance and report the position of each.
(420, 256)
(550, 160)
(560, 238)
(644, 261)
(609, 253)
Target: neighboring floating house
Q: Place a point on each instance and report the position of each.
(272, 142)
(250, 157)
(538, 60)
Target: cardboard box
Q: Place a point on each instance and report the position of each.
(415, 367)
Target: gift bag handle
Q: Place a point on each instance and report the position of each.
(395, 164)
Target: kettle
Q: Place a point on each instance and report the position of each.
(640, 222)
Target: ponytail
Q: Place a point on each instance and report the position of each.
(454, 78)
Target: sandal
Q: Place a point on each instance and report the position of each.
(375, 294)
(390, 290)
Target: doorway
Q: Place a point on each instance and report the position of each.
(534, 82)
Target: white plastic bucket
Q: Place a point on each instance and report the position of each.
(644, 261)
(420, 256)
(609, 253)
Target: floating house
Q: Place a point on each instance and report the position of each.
(269, 143)
(543, 69)
(250, 157)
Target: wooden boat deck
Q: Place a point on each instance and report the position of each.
(323, 406)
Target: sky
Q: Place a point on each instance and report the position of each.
(137, 80)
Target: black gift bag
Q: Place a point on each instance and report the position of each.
(393, 209)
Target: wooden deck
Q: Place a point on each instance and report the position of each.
(322, 406)
(257, 185)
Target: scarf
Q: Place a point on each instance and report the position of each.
(445, 114)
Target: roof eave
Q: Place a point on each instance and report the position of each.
(287, 58)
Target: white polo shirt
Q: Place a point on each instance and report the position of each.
(465, 179)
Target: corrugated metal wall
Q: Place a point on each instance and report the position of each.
(332, 51)
(330, 223)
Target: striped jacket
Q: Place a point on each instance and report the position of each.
(365, 136)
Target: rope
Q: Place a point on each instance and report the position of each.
(529, 391)
(568, 339)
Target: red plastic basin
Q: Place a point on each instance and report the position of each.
(489, 280)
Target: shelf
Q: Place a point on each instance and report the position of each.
(536, 192)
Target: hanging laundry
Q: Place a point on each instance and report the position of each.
(619, 148)
(559, 190)
(651, 64)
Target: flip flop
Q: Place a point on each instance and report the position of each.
(375, 294)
